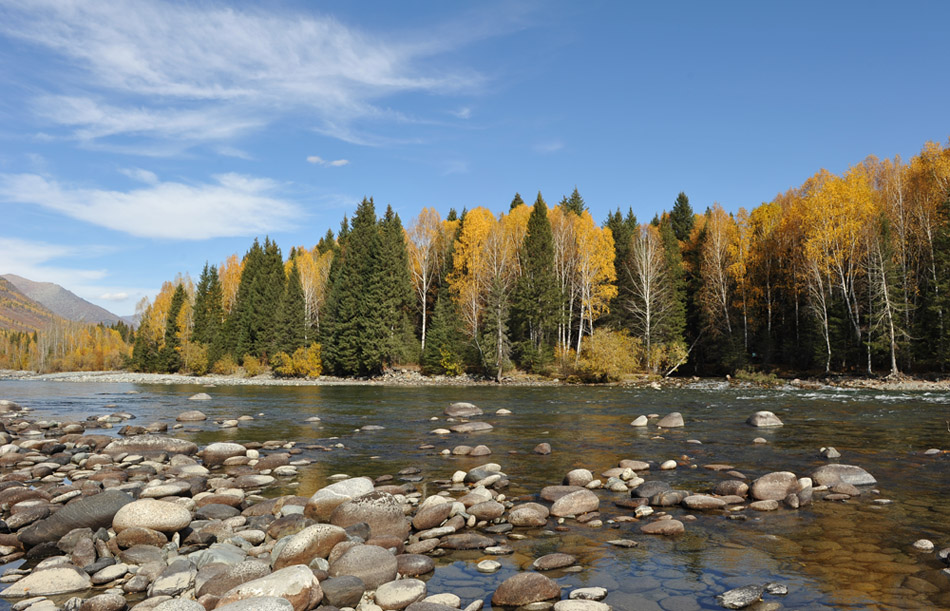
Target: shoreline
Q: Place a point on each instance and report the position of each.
(414, 379)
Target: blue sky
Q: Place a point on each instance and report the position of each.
(140, 139)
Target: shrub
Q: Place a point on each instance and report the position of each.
(224, 366)
(307, 361)
(609, 355)
(194, 357)
(252, 366)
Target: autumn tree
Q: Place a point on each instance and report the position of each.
(423, 240)
(595, 273)
(717, 288)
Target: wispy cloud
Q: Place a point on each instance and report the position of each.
(210, 73)
(551, 146)
(233, 205)
(336, 163)
(123, 296)
(462, 113)
(455, 166)
(140, 175)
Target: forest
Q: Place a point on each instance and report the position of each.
(846, 273)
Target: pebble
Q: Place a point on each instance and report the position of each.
(488, 566)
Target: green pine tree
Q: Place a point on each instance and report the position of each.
(574, 203)
(674, 328)
(535, 301)
(515, 202)
(291, 328)
(623, 229)
(398, 300)
(446, 344)
(144, 351)
(258, 297)
(209, 311)
(170, 356)
(682, 217)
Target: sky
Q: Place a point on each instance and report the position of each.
(139, 140)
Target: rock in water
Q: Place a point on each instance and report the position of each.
(150, 445)
(774, 486)
(830, 475)
(740, 598)
(93, 512)
(524, 589)
(462, 410)
(575, 503)
(201, 396)
(297, 584)
(764, 419)
(671, 420)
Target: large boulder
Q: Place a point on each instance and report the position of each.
(528, 514)
(400, 594)
(217, 453)
(671, 420)
(575, 503)
(297, 584)
(148, 513)
(328, 498)
(774, 486)
(829, 475)
(764, 419)
(524, 589)
(380, 510)
(95, 512)
(150, 446)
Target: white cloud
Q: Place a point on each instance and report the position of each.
(336, 163)
(462, 113)
(123, 296)
(546, 148)
(235, 205)
(211, 72)
(140, 175)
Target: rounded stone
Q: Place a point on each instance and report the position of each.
(258, 603)
(328, 498)
(663, 527)
(575, 503)
(400, 594)
(411, 565)
(374, 565)
(543, 448)
(297, 584)
(671, 420)
(549, 562)
(524, 589)
(774, 486)
(462, 410)
(201, 396)
(191, 416)
(49, 582)
(217, 453)
(639, 421)
(157, 515)
(578, 477)
(580, 605)
(489, 510)
(702, 502)
(528, 514)
(345, 591)
(488, 566)
(312, 542)
(828, 475)
(923, 545)
(104, 602)
(379, 509)
(764, 419)
(137, 535)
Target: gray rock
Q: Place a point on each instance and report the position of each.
(829, 453)
(702, 502)
(324, 501)
(740, 598)
(92, 512)
(175, 579)
(380, 510)
(471, 427)
(413, 565)
(764, 419)
(373, 564)
(150, 446)
(230, 577)
(179, 604)
(549, 562)
(191, 416)
(344, 591)
(258, 603)
(462, 410)
(828, 475)
(400, 594)
(649, 489)
(524, 589)
(774, 486)
(639, 421)
(104, 602)
(148, 513)
(216, 453)
(671, 420)
(575, 503)
(578, 477)
(528, 514)
(580, 605)
(663, 527)
(312, 542)
(297, 584)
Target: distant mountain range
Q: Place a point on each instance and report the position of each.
(29, 305)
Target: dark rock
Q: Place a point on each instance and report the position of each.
(649, 489)
(344, 591)
(524, 589)
(550, 562)
(412, 565)
(740, 598)
(93, 512)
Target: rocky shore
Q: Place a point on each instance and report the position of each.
(149, 521)
(405, 377)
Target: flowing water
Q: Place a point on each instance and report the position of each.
(843, 555)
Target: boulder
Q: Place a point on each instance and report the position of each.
(231, 577)
(345, 591)
(703, 502)
(829, 475)
(296, 584)
(740, 598)
(191, 416)
(575, 503)
(380, 510)
(257, 603)
(312, 542)
(528, 514)
(549, 562)
(95, 512)
(471, 427)
(50, 582)
(578, 477)
(662, 527)
(400, 594)
(671, 420)
(372, 564)
(325, 500)
(462, 410)
(148, 513)
(524, 589)
(774, 486)
(150, 446)
(763, 419)
(216, 453)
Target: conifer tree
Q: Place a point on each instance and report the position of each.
(516, 201)
(396, 290)
(291, 329)
(209, 311)
(674, 326)
(574, 203)
(681, 217)
(144, 350)
(262, 284)
(170, 355)
(535, 302)
(623, 229)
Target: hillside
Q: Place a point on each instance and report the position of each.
(20, 313)
(62, 302)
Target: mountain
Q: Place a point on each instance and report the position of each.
(61, 302)
(20, 313)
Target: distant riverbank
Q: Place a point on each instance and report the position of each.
(412, 378)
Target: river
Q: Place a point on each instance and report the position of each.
(856, 554)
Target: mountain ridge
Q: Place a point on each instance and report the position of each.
(20, 313)
(61, 301)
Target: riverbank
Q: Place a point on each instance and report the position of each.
(414, 378)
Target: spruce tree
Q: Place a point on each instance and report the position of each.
(258, 297)
(623, 229)
(446, 346)
(574, 203)
(515, 202)
(674, 328)
(144, 350)
(682, 217)
(356, 334)
(291, 328)
(397, 298)
(209, 311)
(170, 355)
(535, 301)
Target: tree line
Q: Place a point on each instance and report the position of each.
(846, 273)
